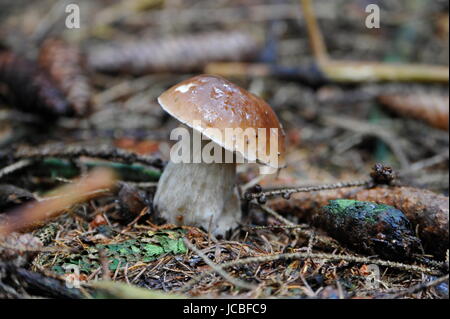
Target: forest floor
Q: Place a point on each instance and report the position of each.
(336, 132)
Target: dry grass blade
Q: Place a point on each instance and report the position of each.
(315, 35)
(398, 293)
(378, 131)
(357, 72)
(297, 228)
(14, 167)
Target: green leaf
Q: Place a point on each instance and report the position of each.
(153, 250)
(114, 264)
(134, 249)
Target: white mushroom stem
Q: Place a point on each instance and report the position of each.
(199, 194)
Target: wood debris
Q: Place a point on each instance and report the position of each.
(427, 211)
(429, 107)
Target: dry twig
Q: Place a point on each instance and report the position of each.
(217, 268)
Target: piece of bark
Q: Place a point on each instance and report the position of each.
(427, 211)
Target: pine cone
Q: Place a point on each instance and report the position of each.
(177, 54)
(28, 88)
(431, 108)
(65, 65)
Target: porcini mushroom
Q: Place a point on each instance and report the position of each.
(204, 194)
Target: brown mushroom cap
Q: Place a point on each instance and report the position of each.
(208, 101)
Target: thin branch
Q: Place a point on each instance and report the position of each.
(103, 152)
(398, 293)
(296, 228)
(374, 130)
(273, 213)
(275, 227)
(285, 192)
(422, 164)
(350, 71)
(219, 269)
(315, 35)
(357, 72)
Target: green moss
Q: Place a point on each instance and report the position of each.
(347, 208)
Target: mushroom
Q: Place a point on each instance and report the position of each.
(203, 193)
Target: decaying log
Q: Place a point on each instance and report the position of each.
(427, 211)
(370, 228)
